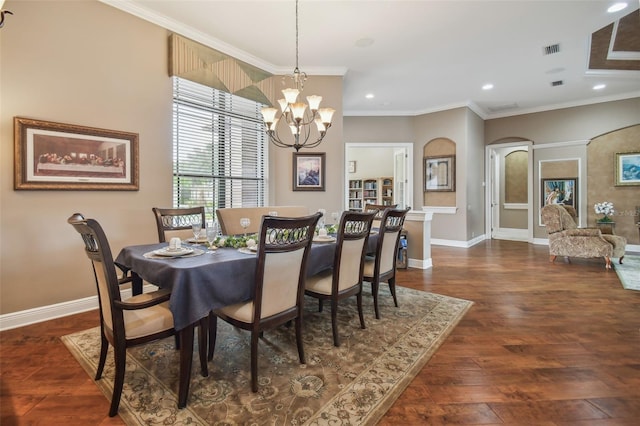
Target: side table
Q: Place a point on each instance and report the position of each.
(607, 227)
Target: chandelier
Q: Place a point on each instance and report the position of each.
(297, 116)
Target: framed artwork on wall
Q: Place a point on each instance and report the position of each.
(440, 173)
(560, 191)
(308, 171)
(49, 155)
(627, 168)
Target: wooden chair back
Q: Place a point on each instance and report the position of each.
(229, 218)
(388, 240)
(351, 245)
(177, 222)
(99, 253)
(283, 250)
(379, 209)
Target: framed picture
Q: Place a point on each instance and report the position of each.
(308, 171)
(627, 168)
(560, 191)
(352, 166)
(52, 155)
(440, 173)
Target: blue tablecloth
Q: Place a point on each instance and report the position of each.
(203, 283)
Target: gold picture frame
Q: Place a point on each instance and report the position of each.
(627, 169)
(59, 156)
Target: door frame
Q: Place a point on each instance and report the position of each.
(406, 146)
(494, 187)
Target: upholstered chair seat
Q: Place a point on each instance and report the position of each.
(344, 279)
(566, 239)
(124, 323)
(283, 250)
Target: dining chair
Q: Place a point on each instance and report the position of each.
(379, 209)
(177, 222)
(282, 253)
(344, 279)
(124, 323)
(382, 266)
(124, 275)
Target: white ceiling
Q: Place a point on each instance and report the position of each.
(425, 55)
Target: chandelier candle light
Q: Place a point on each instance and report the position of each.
(295, 114)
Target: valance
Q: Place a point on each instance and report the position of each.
(201, 64)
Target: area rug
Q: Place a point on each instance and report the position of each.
(354, 384)
(629, 272)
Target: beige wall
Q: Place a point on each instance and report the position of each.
(562, 125)
(601, 154)
(90, 64)
(93, 65)
(565, 135)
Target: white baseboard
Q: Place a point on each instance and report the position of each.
(420, 263)
(456, 243)
(511, 234)
(58, 310)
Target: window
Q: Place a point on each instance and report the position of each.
(219, 149)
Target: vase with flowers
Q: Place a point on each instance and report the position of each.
(605, 208)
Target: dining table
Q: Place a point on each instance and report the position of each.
(206, 280)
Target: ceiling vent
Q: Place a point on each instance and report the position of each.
(557, 83)
(551, 49)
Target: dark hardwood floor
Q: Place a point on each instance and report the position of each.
(543, 345)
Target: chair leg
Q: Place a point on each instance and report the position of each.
(213, 328)
(607, 260)
(334, 322)
(319, 305)
(299, 337)
(203, 333)
(552, 258)
(104, 346)
(621, 257)
(213, 323)
(392, 289)
(254, 361)
(120, 356)
(360, 313)
(374, 290)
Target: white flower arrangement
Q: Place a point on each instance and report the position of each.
(605, 208)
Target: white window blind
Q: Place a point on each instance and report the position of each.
(219, 149)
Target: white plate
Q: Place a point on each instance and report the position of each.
(246, 250)
(198, 241)
(173, 253)
(323, 239)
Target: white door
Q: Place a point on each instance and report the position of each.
(495, 155)
(400, 178)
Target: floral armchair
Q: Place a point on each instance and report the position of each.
(566, 239)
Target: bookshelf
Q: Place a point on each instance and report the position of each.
(355, 194)
(386, 191)
(370, 191)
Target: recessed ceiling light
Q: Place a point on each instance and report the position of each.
(487, 86)
(369, 96)
(599, 86)
(616, 7)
